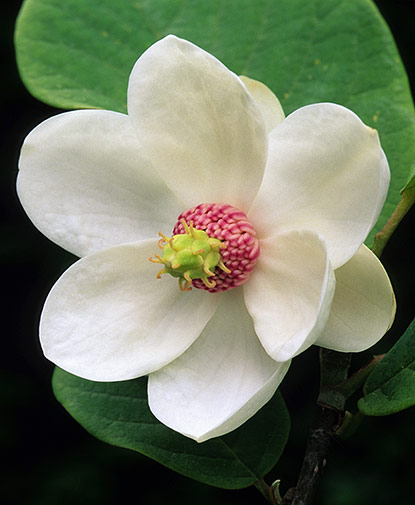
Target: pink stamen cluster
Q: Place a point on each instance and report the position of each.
(231, 226)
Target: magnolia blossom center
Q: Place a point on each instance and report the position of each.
(213, 247)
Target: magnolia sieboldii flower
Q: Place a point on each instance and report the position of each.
(261, 221)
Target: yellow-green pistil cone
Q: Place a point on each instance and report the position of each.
(190, 255)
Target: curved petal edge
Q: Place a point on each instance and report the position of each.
(363, 307)
(198, 124)
(221, 381)
(290, 292)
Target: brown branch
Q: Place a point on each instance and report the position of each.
(327, 419)
(318, 447)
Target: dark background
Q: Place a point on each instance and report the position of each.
(50, 459)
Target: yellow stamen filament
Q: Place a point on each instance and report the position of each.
(187, 277)
(223, 267)
(186, 226)
(157, 260)
(192, 230)
(206, 269)
(165, 240)
(184, 285)
(200, 251)
(207, 283)
(160, 272)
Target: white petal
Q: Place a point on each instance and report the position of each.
(108, 318)
(198, 124)
(363, 307)
(221, 381)
(290, 292)
(268, 103)
(85, 184)
(327, 173)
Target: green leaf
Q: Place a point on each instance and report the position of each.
(117, 413)
(74, 54)
(391, 386)
(410, 185)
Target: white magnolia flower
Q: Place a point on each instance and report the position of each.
(103, 184)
